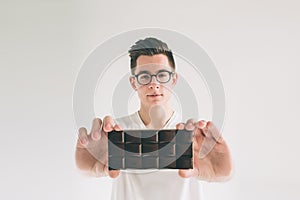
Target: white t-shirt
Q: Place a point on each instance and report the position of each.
(152, 184)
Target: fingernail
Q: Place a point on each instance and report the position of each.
(189, 125)
(108, 126)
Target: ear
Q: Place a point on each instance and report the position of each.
(132, 83)
(174, 79)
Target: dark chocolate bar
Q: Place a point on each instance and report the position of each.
(150, 149)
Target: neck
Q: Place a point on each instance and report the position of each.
(155, 117)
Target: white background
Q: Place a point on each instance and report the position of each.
(254, 44)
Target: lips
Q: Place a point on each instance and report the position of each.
(154, 95)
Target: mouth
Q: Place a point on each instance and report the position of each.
(154, 95)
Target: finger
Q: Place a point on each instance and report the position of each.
(213, 132)
(83, 136)
(201, 124)
(113, 173)
(198, 140)
(206, 147)
(108, 124)
(190, 124)
(96, 128)
(180, 126)
(186, 173)
(117, 127)
(208, 140)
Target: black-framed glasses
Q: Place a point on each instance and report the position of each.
(144, 78)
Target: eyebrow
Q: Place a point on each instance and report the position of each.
(145, 71)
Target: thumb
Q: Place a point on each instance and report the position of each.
(113, 173)
(186, 173)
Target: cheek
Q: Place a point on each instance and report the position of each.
(140, 95)
(141, 92)
(168, 89)
(167, 92)
(169, 85)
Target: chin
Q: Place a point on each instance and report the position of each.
(157, 102)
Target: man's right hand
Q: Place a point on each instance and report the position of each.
(92, 149)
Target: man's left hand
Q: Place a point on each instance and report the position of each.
(211, 160)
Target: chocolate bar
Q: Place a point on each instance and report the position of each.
(150, 149)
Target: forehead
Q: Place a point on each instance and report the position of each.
(159, 58)
(152, 63)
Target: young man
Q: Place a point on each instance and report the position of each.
(153, 77)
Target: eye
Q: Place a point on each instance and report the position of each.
(144, 76)
(163, 76)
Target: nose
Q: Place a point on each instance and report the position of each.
(154, 83)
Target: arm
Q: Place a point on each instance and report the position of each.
(91, 154)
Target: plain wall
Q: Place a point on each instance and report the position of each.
(254, 45)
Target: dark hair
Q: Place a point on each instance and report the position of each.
(149, 46)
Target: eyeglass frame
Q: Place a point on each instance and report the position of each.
(155, 75)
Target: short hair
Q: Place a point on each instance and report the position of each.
(149, 46)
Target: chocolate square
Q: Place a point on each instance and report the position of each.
(133, 162)
(166, 149)
(115, 163)
(184, 136)
(132, 136)
(149, 136)
(150, 162)
(150, 149)
(166, 135)
(132, 149)
(184, 149)
(184, 162)
(167, 162)
(116, 136)
(116, 149)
